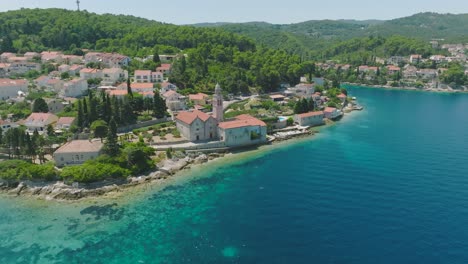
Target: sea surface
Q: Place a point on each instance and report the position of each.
(385, 185)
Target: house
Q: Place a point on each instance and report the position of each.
(54, 85)
(396, 60)
(199, 99)
(40, 121)
(365, 68)
(72, 59)
(174, 100)
(74, 88)
(77, 152)
(244, 130)
(32, 55)
(410, 72)
(332, 113)
(142, 87)
(64, 68)
(415, 58)
(51, 56)
(310, 119)
(167, 86)
(117, 93)
(7, 124)
(165, 68)
(55, 105)
(144, 76)
(75, 69)
(427, 74)
(12, 88)
(22, 67)
(305, 90)
(64, 123)
(90, 73)
(113, 75)
(438, 58)
(393, 69)
(4, 56)
(342, 97)
(109, 60)
(196, 125)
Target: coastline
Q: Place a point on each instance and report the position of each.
(169, 171)
(435, 90)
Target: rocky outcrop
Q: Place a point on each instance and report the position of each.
(63, 191)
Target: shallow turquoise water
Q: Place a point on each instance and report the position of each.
(385, 185)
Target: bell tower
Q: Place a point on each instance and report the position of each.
(218, 104)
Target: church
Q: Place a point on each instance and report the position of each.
(198, 126)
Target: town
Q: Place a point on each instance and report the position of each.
(68, 111)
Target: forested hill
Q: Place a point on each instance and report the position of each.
(311, 38)
(213, 54)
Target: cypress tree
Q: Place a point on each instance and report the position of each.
(80, 117)
(129, 88)
(112, 147)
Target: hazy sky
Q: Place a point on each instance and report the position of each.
(274, 11)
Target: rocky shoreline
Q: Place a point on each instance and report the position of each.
(440, 90)
(62, 191)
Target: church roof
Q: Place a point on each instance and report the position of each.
(188, 117)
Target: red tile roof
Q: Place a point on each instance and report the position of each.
(198, 96)
(242, 121)
(65, 120)
(309, 114)
(80, 146)
(342, 96)
(188, 117)
(329, 110)
(137, 86)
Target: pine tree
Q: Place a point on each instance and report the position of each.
(111, 146)
(80, 117)
(156, 58)
(129, 88)
(159, 106)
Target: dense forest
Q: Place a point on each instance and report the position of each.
(214, 55)
(310, 39)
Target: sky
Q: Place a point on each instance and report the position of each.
(273, 11)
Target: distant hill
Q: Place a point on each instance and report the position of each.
(312, 37)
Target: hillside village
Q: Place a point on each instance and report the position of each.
(68, 110)
(441, 72)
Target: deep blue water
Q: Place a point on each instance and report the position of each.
(385, 185)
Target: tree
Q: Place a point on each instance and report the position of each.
(40, 106)
(159, 107)
(129, 88)
(111, 147)
(50, 131)
(156, 58)
(289, 121)
(65, 75)
(99, 128)
(80, 116)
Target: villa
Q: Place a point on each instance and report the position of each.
(244, 130)
(40, 121)
(77, 152)
(310, 118)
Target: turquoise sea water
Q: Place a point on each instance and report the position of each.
(385, 185)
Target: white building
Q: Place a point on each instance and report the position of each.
(113, 75)
(74, 88)
(109, 60)
(167, 86)
(245, 130)
(40, 121)
(174, 101)
(310, 118)
(146, 76)
(90, 73)
(23, 67)
(196, 125)
(305, 90)
(10, 88)
(77, 152)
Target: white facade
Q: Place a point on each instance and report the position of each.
(10, 88)
(245, 130)
(74, 88)
(146, 76)
(23, 67)
(310, 119)
(196, 126)
(40, 121)
(77, 152)
(89, 73)
(113, 75)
